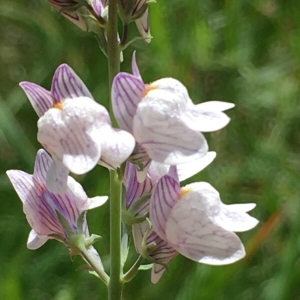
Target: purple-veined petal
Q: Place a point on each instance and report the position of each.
(127, 92)
(191, 168)
(193, 234)
(57, 177)
(143, 26)
(116, 146)
(42, 166)
(40, 99)
(72, 133)
(135, 68)
(35, 241)
(66, 84)
(135, 189)
(164, 196)
(23, 184)
(164, 254)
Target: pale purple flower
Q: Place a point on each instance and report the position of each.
(166, 124)
(195, 223)
(164, 253)
(41, 206)
(75, 129)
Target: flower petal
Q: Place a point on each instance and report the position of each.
(205, 121)
(23, 184)
(232, 218)
(42, 166)
(164, 196)
(135, 68)
(35, 241)
(98, 7)
(191, 168)
(143, 26)
(116, 146)
(97, 201)
(167, 140)
(57, 177)
(40, 99)
(192, 233)
(67, 85)
(72, 134)
(135, 189)
(127, 92)
(215, 106)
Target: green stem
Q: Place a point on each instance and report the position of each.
(116, 273)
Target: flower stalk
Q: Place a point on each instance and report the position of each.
(116, 272)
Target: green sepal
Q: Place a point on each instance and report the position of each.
(64, 223)
(145, 267)
(80, 222)
(91, 240)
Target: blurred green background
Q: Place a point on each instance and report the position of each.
(241, 51)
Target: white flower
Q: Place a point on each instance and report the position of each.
(166, 124)
(75, 129)
(195, 223)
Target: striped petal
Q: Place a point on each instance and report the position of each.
(40, 99)
(24, 185)
(164, 197)
(194, 235)
(71, 134)
(67, 85)
(42, 166)
(143, 26)
(201, 227)
(135, 190)
(127, 92)
(161, 256)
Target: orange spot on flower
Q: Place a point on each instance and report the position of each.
(59, 105)
(149, 87)
(184, 191)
